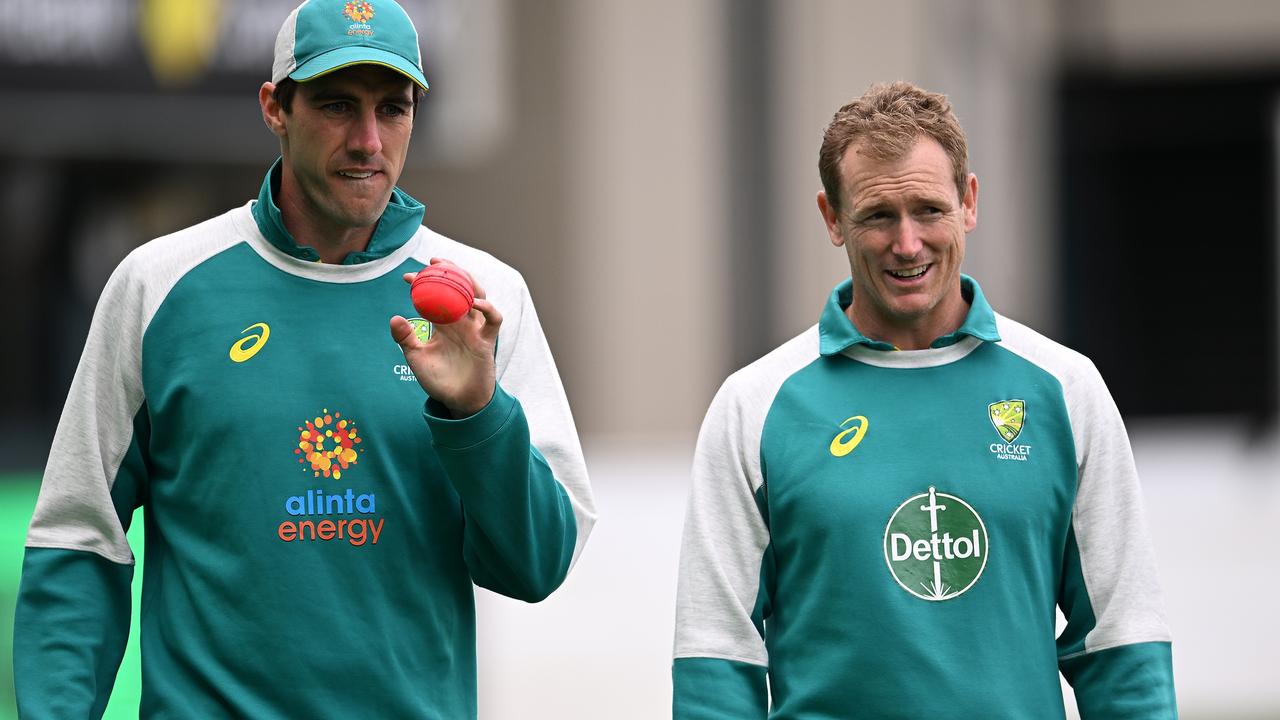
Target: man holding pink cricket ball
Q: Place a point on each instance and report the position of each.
(320, 502)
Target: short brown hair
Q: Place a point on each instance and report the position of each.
(288, 87)
(890, 117)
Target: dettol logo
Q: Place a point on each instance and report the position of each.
(935, 545)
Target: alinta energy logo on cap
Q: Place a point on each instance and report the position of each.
(936, 546)
(324, 36)
(361, 12)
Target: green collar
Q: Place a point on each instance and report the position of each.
(398, 223)
(836, 332)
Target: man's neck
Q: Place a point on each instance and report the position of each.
(911, 334)
(332, 242)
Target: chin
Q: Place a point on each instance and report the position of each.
(363, 216)
(363, 221)
(914, 309)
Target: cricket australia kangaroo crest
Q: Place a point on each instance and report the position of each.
(1007, 416)
(935, 545)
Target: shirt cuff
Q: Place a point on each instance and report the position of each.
(466, 432)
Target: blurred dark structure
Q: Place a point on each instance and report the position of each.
(1168, 237)
(119, 127)
(752, 177)
(112, 134)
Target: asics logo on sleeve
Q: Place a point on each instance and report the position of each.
(248, 346)
(846, 441)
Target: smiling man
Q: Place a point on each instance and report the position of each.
(322, 489)
(886, 510)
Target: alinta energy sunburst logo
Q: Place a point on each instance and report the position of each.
(360, 12)
(327, 445)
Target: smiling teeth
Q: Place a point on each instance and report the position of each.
(360, 175)
(910, 273)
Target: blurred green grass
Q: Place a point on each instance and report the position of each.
(17, 500)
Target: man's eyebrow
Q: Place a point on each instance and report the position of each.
(330, 94)
(326, 94)
(866, 206)
(923, 196)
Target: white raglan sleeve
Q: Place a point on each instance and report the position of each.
(1116, 649)
(720, 661)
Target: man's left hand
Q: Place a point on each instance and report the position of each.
(456, 366)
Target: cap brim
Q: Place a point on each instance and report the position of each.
(346, 57)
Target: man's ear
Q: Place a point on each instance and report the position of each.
(272, 112)
(831, 218)
(970, 203)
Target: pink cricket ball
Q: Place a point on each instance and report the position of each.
(442, 293)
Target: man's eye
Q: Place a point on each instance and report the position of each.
(394, 110)
(335, 107)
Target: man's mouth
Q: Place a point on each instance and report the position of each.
(909, 273)
(356, 174)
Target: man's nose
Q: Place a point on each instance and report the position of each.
(364, 137)
(906, 240)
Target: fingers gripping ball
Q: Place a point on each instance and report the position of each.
(442, 294)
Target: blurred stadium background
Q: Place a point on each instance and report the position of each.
(651, 167)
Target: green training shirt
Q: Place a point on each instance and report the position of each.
(886, 534)
(314, 523)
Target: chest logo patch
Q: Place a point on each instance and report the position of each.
(329, 445)
(846, 441)
(1006, 416)
(936, 546)
(422, 328)
(249, 345)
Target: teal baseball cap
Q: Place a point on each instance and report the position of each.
(321, 36)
